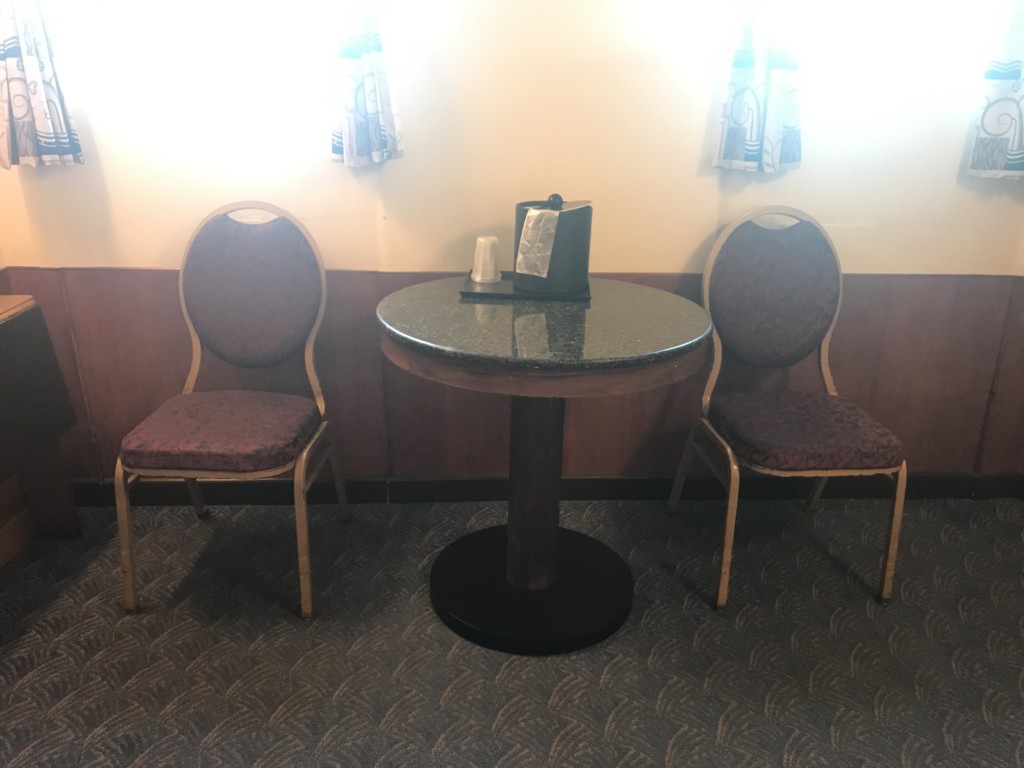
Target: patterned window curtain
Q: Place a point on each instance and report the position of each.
(761, 115)
(35, 126)
(367, 131)
(997, 140)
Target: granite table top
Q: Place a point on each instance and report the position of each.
(622, 325)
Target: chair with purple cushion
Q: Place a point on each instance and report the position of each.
(252, 290)
(773, 286)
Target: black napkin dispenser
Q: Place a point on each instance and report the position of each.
(555, 257)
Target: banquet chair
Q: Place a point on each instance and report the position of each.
(252, 292)
(773, 287)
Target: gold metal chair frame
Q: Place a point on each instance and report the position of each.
(708, 444)
(304, 469)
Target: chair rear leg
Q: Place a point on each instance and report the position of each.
(681, 473)
(339, 484)
(889, 568)
(730, 528)
(124, 535)
(814, 500)
(302, 537)
(197, 497)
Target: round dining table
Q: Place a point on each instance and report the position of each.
(531, 586)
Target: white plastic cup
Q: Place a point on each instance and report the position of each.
(485, 260)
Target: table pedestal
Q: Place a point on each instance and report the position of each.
(531, 587)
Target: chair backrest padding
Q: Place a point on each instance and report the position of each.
(774, 292)
(252, 291)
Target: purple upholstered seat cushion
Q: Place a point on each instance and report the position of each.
(225, 431)
(796, 431)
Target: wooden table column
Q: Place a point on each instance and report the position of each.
(535, 472)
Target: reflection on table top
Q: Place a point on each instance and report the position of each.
(622, 325)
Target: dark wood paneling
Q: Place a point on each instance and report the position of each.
(438, 431)
(919, 353)
(641, 434)
(133, 347)
(47, 286)
(638, 435)
(350, 367)
(1002, 450)
(5, 281)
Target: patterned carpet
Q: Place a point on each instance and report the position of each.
(802, 668)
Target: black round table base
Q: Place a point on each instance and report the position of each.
(589, 600)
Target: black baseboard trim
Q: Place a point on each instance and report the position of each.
(402, 491)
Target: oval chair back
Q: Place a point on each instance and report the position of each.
(773, 287)
(252, 289)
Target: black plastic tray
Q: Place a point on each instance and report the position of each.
(504, 290)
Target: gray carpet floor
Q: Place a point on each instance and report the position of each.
(802, 668)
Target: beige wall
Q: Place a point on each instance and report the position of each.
(505, 100)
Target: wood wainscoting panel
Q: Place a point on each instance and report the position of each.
(47, 286)
(437, 431)
(350, 367)
(133, 347)
(641, 434)
(1002, 451)
(919, 352)
(637, 435)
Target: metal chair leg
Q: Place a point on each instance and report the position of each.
(730, 527)
(302, 537)
(197, 497)
(889, 568)
(814, 500)
(124, 535)
(339, 484)
(681, 473)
